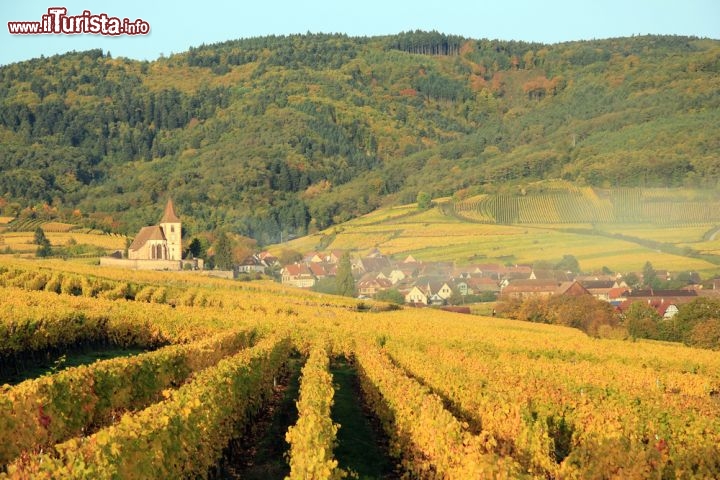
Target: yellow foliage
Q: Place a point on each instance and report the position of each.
(459, 396)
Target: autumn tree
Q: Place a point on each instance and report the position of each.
(706, 334)
(424, 201)
(584, 312)
(642, 321)
(242, 247)
(689, 323)
(288, 256)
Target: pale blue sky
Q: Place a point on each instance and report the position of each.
(175, 26)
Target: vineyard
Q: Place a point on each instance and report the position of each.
(439, 234)
(19, 237)
(452, 396)
(568, 204)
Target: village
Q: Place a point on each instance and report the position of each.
(421, 284)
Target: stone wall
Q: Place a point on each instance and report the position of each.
(173, 265)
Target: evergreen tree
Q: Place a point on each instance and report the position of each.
(223, 252)
(195, 248)
(42, 242)
(344, 279)
(568, 263)
(649, 276)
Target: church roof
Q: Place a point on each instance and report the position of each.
(147, 233)
(169, 214)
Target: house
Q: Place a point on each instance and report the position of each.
(251, 264)
(297, 275)
(482, 284)
(521, 289)
(550, 275)
(461, 274)
(436, 299)
(383, 275)
(441, 289)
(488, 270)
(670, 311)
(571, 289)
(417, 296)
(376, 263)
(599, 289)
(462, 288)
(665, 302)
(267, 258)
(410, 259)
(617, 295)
(319, 270)
(523, 271)
(334, 256)
(370, 286)
(510, 277)
(397, 275)
(313, 257)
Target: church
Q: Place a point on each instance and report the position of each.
(157, 247)
(159, 242)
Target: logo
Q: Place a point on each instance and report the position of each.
(57, 21)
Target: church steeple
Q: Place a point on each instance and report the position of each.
(172, 229)
(169, 214)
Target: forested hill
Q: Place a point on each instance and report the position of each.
(285, 134)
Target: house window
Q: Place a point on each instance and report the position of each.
(172, 228)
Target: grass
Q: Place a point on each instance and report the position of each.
(260, 455)
(361, 448)
(50, 365)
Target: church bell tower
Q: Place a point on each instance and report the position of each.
(170, 224)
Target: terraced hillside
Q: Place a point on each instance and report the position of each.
(467, 231)
(563, 203)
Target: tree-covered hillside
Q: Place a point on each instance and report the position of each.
(281, 135)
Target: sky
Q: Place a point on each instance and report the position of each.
(176, 26)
